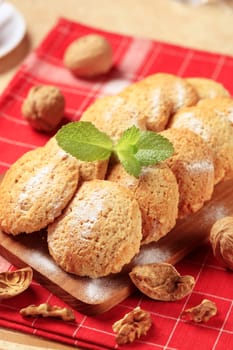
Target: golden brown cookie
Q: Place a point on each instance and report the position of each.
(223, 106)
(156, 191)
(113, 115)
(99, 231)
(36, 189)
(158, 96)
(152, 103)
(192, 164)
(179, 91)
(87, 170)
(43, 107)
(216, 131)
(207, 88)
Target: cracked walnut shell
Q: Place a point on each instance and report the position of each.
(161, 281)
(89, 56)
(221, 239)
(132, 326)
(47, 310)
(201, 312)
(15, 282)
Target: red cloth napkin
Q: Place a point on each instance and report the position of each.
(134, 58)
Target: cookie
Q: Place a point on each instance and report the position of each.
(87, 170)
(179, 91)
(152, 104)
(192, 164)
(99, 231)
(156, 191)
(208, 88)
(216, 131)
(158, 96)
(36, 189)
(220, 105)
(113, 115)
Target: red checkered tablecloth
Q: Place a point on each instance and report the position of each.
(134, 58)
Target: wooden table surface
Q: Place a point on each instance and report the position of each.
(207, 27)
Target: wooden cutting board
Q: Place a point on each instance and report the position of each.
(93, 296)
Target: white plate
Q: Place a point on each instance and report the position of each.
(12, 28)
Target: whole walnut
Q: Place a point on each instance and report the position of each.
(43, 107)
(89, 56)
(221, 238)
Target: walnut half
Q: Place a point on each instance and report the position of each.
(47, 310)
(132, 326)
(201, 312)
(15, 282)
(161, 281)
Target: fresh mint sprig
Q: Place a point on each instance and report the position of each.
(134, 149)
(84, 141)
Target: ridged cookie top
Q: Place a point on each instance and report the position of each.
(36, 188)
(192, 163)
(156, 191)
(207, 88)
(178, 90)
(87, 170)
(113, 115)
(152, 103)
(223, 106)
(158, 96)
(216, 130)
(99, 231)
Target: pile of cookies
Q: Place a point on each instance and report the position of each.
(97, 215)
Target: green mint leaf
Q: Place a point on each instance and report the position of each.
(125, 150)
(129, 162)
(152, 148)
(138, 148)
(129, 137)
(84, 141)
(134, 150)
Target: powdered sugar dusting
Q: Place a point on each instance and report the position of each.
(128, 181)
(87, 212)
(189, 121)
(201, 166)
(156, 103)
(230, 114)
(95, 289)
(121, 113)
(115, 104)
(149, 255)
(214, 213)
(36, 185)
(227, 115)
(180, 96)
(61, 154)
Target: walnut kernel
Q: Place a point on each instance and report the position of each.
(132, 326)
(89, 56)
(201, 312)
(161, 281)
(47, 310)
(221, 238)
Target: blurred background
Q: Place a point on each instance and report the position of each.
(207, 26)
